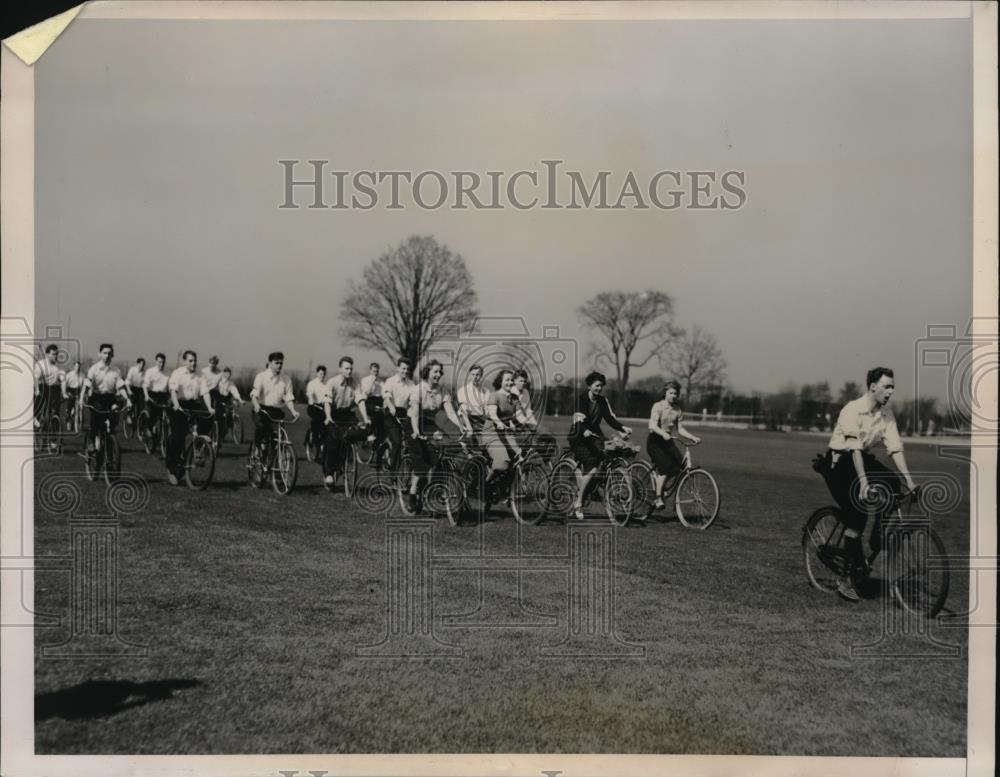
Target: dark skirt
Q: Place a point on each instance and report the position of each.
(588, 452)
(665, 455)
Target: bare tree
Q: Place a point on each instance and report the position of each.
(695, 360)
(629, 321)
(408, 298)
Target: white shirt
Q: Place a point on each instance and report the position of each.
(133, 379)
(211, 378)
(74, 379)
(524, 406)
(155, 379)
(473, 399)
(398, 391)
(318, 392)
(429, 398)
(862, 424)
(272, 390)
(227, 388)
(343, 392)
(188, 385)
(48, 373)
(103, 379)
(371, 386)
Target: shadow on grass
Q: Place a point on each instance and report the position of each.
(103, 698)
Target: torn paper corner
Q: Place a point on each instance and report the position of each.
(31, 43)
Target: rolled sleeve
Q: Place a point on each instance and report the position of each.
(893, 444)
(256, 389)
(850, 429)
(289, 395)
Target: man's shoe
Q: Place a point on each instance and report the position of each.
(172, 479)
(328, 481)
(845, 589)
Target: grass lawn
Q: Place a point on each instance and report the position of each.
(253, 607)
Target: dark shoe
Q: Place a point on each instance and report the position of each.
(845, 589)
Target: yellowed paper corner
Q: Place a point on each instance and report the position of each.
(31, 43)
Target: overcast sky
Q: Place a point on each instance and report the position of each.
(158, 182)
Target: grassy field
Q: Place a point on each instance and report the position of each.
(253, 605)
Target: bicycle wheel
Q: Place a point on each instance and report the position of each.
(164, 433)
(312, 452)
(444, 494)
(237, 430)
(823, 549)
(92, 462)
(562, 488)
(641, 477)
(528, 491)
(618, 494)
(404, 476)
(128, 424)
(697, 499)
(255, 466)
(919, 571)
(199, 462)
(144, 431)
(350, 470)
(474, 471)
(55, 435)
(286, 469)
(112, 459)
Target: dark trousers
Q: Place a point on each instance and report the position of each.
(262, 425)
(47, 402)
(342, 433)
(218, 408)
(105, 404)
(179, 426)
(317, 424)
(138, 400)
(373, 406)
(158, 401)
(846, 489)
(397, 430)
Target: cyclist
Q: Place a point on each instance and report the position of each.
(497, 436)
(317, 398)
(103, 385)
(212, 375)
(270, 391)
(48, 385)
(852, 471)
(426, 398)
(188, 392)
(71, 386)
(133, 382)
(586, 440)
(473, 398)
(546, 442)
(371, 394)
(343, 399)
(396, 395)
(664, 426)
(156, 390)
(228, 393)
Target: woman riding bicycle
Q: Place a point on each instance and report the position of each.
(426, 398)
(664, 426)
(586, 442)
(497, 435)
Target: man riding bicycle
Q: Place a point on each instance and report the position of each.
(343, 398)
(472, 400)
(156, 390)
(72, 384)
(133, 382)
(852, 473)
(101, 388)
(317, 398)
(270, 391)
(370, 393)
(228, 393)
(48, 386)
(396, 398)
(188, 394)
(213, 376)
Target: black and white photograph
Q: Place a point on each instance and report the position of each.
(500, 388)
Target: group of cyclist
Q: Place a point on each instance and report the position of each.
(401, 412)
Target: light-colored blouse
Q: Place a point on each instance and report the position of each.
(665, 417)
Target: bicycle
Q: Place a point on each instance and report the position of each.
(130, 419)
(349, 466)
(233, 421)
(695, 492)
(154, 434)
(611, 483)
(72, 422)
(917, 560)
(49, 436)
(106, 457)
(523, 486)
(442, 491)
(277, 460)
(198, 459)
